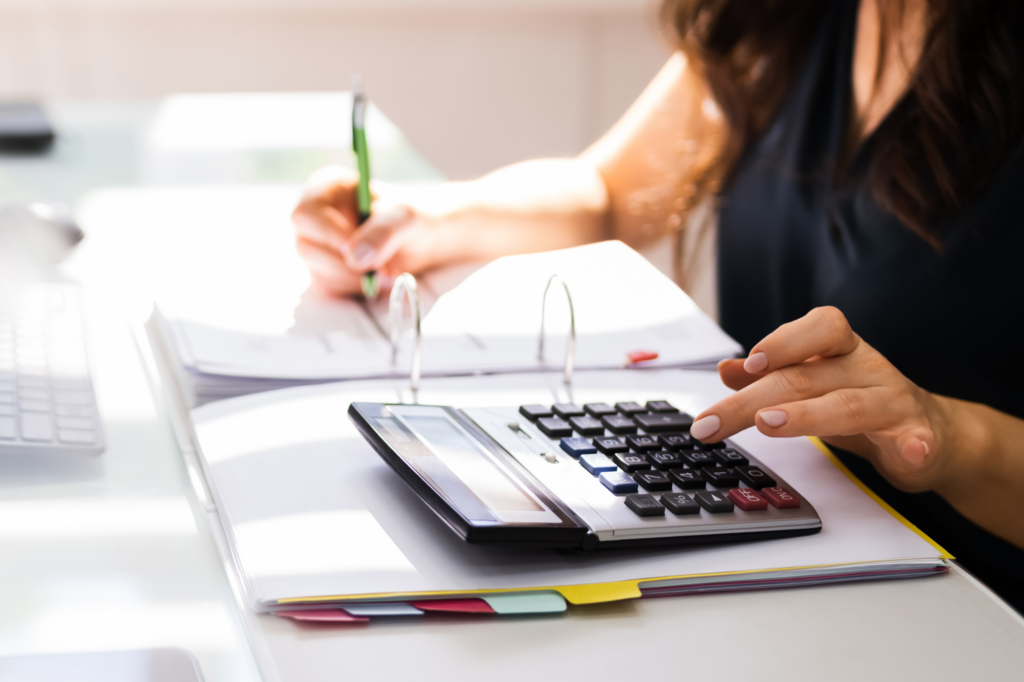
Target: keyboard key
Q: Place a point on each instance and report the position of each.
(631, 461)
(720, 477)
(643, 443)
(730, 457)
(675, 441)
(652, 480)
(713, 501)
(76, 436)
(34, 394)
(32, 382)
(755, 477)
(36, 427)
(6, 398)
(599, 409)
(7, 428)
(688, 479)
(587, 426)
(698, 459)
(597, 463)
(73, 398)
(554, 427)
(680, 504)
(630, 408)
(74, 411)
(6, 410)
(708, 447)
(663, 421)
(34, 405)
(611, 445)
(664, 460)
(617, 481)
(535, 412)
(567, 410)
(645, 505)
(747, 499)
(660, 406)
(574, 446)
(780, 498)
(618, 424)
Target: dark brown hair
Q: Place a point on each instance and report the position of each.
(962, 118)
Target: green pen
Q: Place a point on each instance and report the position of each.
(370, 285)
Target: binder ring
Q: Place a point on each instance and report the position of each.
(405, 287)
(570, 344)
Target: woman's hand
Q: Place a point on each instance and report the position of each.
(816, 377)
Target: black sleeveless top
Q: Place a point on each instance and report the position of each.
(791, 239)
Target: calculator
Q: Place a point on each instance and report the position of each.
(571, 476)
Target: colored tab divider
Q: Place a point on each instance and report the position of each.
(383, 608)
(321, 616)
(509, 603)
(454, 605)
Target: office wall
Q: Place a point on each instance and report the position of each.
(474, 83)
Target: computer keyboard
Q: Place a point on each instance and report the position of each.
(47, 402)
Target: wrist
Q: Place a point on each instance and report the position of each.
(966, 446)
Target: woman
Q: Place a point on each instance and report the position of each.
(864, 157)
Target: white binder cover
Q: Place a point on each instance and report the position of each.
(311, 513)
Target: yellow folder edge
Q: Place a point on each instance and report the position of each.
(597, 593)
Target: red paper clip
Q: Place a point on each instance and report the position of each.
(639, 356)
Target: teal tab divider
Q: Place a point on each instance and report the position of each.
(526, 602)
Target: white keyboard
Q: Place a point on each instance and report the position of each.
(47, 402)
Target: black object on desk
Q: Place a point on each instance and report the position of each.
(24, 128)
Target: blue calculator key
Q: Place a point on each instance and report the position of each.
(577, 446)
(617, 481)
(597, 464)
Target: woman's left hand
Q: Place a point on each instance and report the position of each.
(815, 377)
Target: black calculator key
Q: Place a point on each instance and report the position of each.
(755, 477)
(680, 504)
(599, 409)
(714, 501)
(730, 457)
(616, 423)
(535, 412)
(645, 505)
(567, 410)
(664, 421)
(661, 406)
(631, 461)
(664, 460)
(698, 459)
(643, 442)
(720, 477)
(611, 445)
(676, 440)
(554, 427)
(587, 426)
(652, 480)
(630, 408)
(708, 447)
(688, 479)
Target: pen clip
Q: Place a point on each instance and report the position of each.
(570, 343)
(405, 287)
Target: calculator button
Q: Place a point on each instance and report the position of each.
(618, 424)
(554, 427)
(688, 479)
(747, 499)
(664, 460)
(610, 445)
(675, 440)
(720, 477)
(597, 463)
(567, 410)
(630, 462)
(617, 481)
(714, 501)
(662, 421)
(630, 408)
(652, 480)
(587, 426)
(599, 409)
(645, 505)
(698, 459)
(680, 504)
(730, 457)
(577, 446)
(535, 412)
(755, 477)
(780, 498)
(642, 443)
(708, 447)
(661, 406)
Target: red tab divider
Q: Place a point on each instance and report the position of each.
(454, 605)
(323, 616)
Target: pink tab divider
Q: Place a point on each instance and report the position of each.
(322, 616)
(454, 605)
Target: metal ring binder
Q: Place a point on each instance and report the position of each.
(570, 344)
(405, 286)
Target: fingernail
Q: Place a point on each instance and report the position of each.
(774, 418)
(708, 426)
(926, 448)
(364, 255)
(756, 363)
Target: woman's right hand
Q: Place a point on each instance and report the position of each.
(337, 251)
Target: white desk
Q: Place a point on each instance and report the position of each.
(115, 552)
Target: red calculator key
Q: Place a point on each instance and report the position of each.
(747, 499)
(781, 498)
